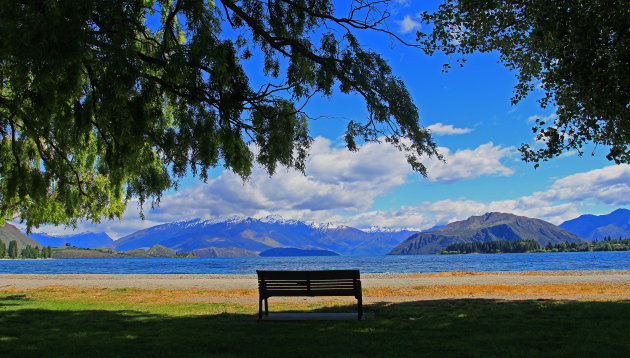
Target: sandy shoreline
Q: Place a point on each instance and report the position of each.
(369, 281)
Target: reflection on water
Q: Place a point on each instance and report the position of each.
(367, 264)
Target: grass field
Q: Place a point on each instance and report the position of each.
(156, 323)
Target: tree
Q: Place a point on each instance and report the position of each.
(44, 252)
(13, 249)
(27, 252)
(102, 101)
(577, 50)
(3, 249)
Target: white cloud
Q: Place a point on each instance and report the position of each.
(609, 186)
(547, 119)
(447, 129)
(408, 24)
(336, 180)
(471, 163)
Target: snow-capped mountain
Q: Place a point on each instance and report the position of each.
(262, 234)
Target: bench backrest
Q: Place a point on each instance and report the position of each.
(309, 283)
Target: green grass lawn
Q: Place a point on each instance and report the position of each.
(93, 323)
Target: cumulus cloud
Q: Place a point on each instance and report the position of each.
(447, 129)
(335, 180)
(471, 163)
(408, 24)
(609, 186)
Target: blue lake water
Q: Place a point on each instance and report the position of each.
(367, 264)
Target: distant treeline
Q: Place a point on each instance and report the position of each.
(489, 247)
(505, 246)
(29, 252)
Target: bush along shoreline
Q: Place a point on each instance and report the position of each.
(521, 246)
(29, 252)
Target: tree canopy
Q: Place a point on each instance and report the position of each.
(103, 101)
(578, 51)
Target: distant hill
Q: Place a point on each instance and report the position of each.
(591, 227)
(223, 252)
(73, 252)
(488, 227)
(291, 251)
(10, 232)
(84, 240)
(160, 251)
(259, 235)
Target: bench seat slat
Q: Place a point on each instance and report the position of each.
(312, 284)
(314, 293)
(313, 275)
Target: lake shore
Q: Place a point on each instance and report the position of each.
(395, 287)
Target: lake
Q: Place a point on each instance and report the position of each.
(367, 264)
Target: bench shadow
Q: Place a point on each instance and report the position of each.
(452, 327)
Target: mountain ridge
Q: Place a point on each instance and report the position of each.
(10, 232)
(596, 227)
(258, 235)
(488, 227)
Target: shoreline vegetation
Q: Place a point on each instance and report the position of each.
(159, 251)
(525, 246)
(73, 252)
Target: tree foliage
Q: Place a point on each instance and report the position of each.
(103, 101)
(489, 247)
(30, 252)
(505, 246)
(577, 50)
(13, 249)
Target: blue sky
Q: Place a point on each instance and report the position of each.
(473, 122)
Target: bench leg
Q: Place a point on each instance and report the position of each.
(266, 307)
(260, 308)
(360, 306)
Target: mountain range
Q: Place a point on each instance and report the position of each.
(488, 227)
(251, 237)
(597, 227)
(258, 235)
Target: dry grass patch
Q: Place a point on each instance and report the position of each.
(552, 289)
(516, 273)
(131, 295)
(470, 273)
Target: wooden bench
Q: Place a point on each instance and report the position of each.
(308, 283)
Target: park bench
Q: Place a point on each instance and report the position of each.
(308, 283)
